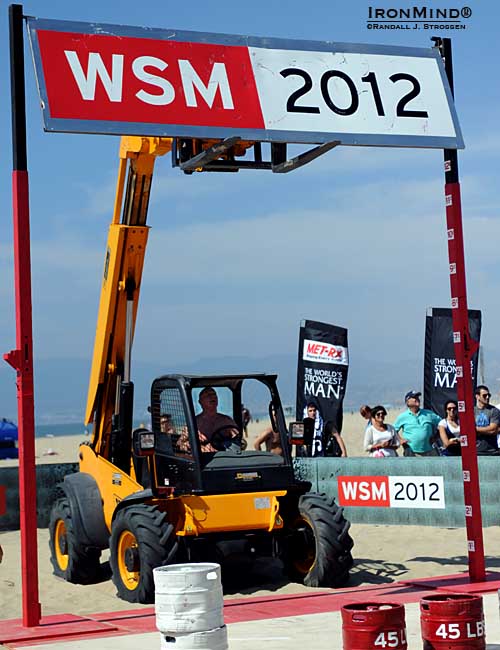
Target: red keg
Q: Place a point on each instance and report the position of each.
(369, 626)
(452, 622)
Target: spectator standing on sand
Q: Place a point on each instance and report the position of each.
(487, 421)
(381, 439)
(333, 443)
(366, 412)
(311, 411)
(416, 427)
(270, 437)
(246, 418)
(449, 430)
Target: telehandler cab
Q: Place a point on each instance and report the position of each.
(155, 497)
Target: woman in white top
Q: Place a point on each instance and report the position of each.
(381, 439)
(449, 429)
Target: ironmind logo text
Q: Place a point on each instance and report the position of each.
(418, 13)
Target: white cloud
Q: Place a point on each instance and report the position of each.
(361, 226)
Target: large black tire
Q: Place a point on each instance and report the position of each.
(317, 544)
(141, 539)
(71, 560)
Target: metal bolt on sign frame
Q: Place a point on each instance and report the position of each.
(465, 347)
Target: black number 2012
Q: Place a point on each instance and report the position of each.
(410, 491)
(370, 78)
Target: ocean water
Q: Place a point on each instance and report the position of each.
(75, 428)
(68, 429)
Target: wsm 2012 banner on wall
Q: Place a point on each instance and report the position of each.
(323, 362)
(440, 373)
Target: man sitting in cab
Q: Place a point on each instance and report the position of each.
(216, 431)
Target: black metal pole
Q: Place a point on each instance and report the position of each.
(18, 96)
(21, 359)
(450, 155)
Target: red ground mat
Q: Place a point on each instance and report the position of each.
(298, 605)
(133, 621)
(58, 627)
(136, 621)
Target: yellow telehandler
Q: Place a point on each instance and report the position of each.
(157, 496)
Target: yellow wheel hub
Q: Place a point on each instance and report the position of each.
(61, 545)
(127, 550)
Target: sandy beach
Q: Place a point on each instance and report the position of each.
(383, 554)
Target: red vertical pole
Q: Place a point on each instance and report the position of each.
(465, 347)
(21, 359)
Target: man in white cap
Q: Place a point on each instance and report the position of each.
(416, 427)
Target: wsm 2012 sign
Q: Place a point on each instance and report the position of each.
(391, 491)
(164, 82)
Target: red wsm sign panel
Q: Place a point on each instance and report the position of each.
(364, 491)
(121, 79)
(101, 77)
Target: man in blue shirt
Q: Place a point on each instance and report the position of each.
(416, 427)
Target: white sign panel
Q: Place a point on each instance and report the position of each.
(416, 492)
(351, 93)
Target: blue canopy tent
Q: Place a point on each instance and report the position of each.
(8, 439)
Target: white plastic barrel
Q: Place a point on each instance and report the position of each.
(188, 598)
(209, 640)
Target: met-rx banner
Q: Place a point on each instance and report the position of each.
(440, 372)
(322, 374)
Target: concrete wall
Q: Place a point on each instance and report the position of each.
(322, 473)
(47, 477)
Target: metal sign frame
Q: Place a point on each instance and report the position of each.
(21, 358)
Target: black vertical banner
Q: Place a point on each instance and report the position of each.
(323, 362)
(440, 380)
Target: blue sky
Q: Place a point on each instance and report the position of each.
(357, 238)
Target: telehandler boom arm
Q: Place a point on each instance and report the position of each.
(110, 396)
